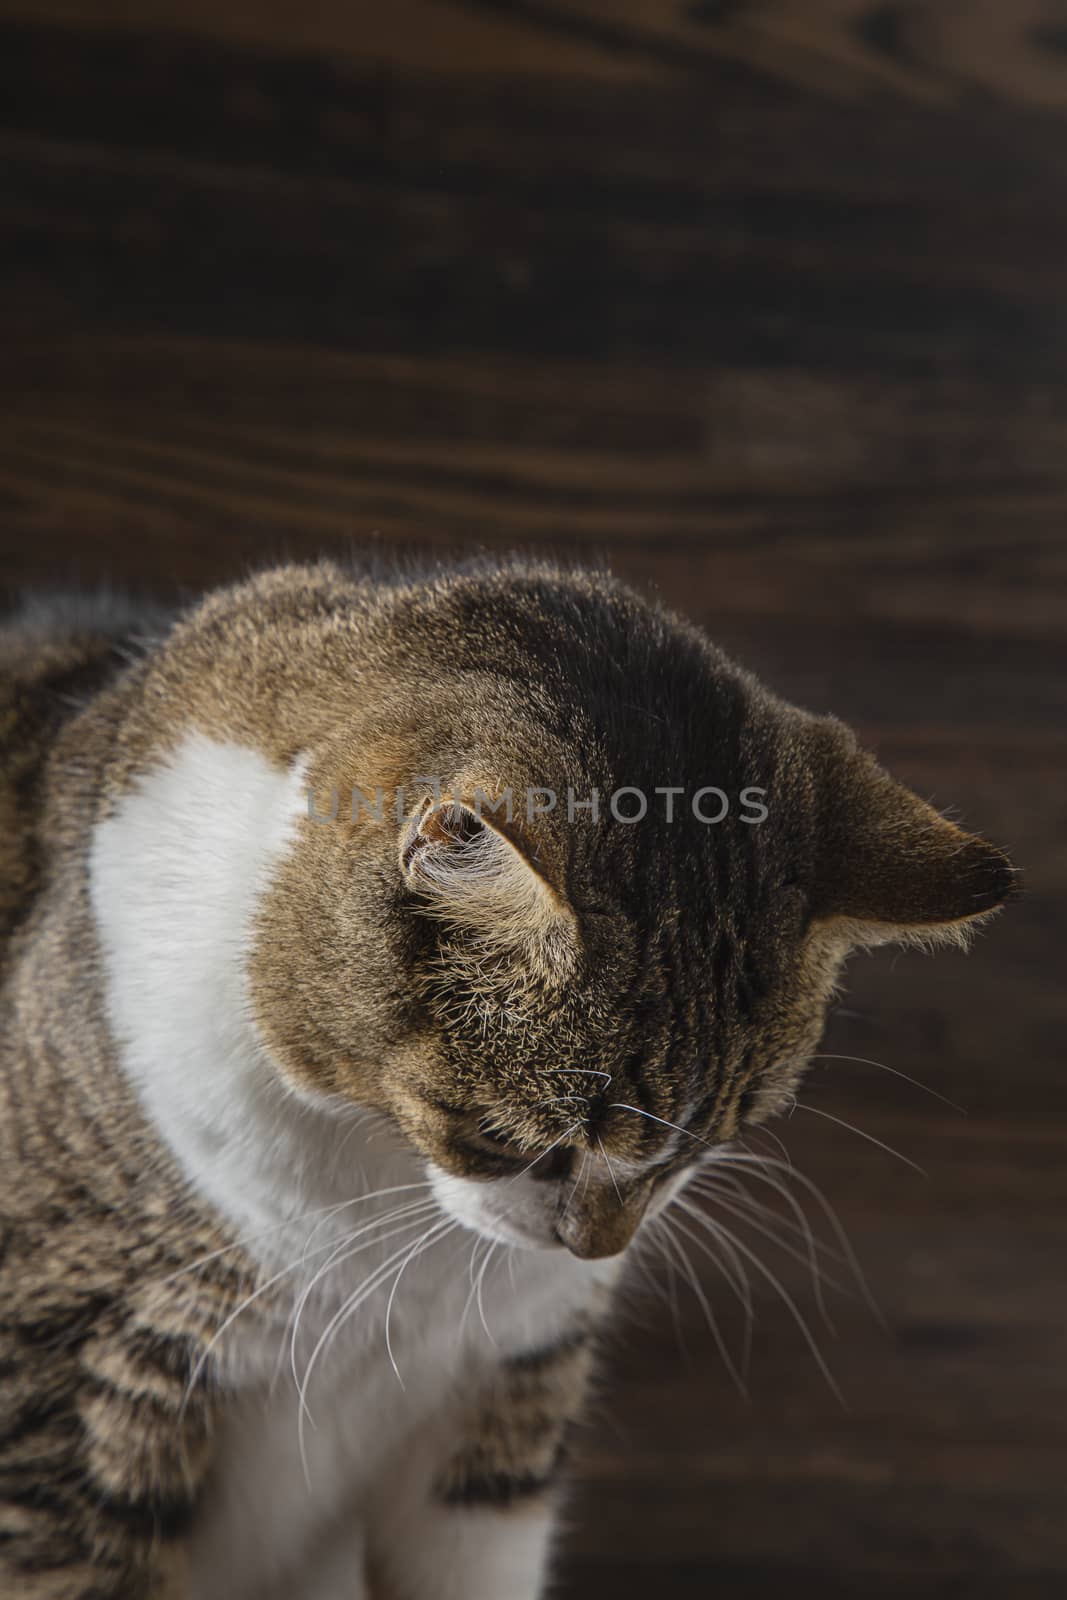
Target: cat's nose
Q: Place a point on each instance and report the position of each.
(602, 1225)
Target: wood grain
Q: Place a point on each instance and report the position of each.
(761, 300)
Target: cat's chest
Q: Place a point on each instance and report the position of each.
(373, 1376)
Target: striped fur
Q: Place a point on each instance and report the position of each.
(515, 1435)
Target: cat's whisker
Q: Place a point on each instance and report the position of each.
(867, 1061)
(769, 1133)
(618, 1105)
(802, 1224)
(389, 1310)
(475, 1272)
(342, 1251)
(739, 1285)
(610, 1168)
(291, 1222)
(794, 1310)
(818, 1275)
(567, 1134)
(668, 1294)
(378, 1194)
(202, 1359)
(734, 1273)
(581, 1072)
(479, 1240)
(228, 1322)
(432, 1235)
(802, 1227)
(587, 1167)
(762, 1166)
(743, 1290)
(861, 1134)
(577, 1181)
(365, 1115)
(413, 1214)
(697, 1287)
(373, 1281)
(478, 1291)
(713, 1188)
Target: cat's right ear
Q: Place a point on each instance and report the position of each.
(892, 867)
(469, 875)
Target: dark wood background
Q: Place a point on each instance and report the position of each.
(766, 302)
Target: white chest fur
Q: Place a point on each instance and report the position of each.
(176, 873)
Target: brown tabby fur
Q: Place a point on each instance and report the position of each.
(701, 959)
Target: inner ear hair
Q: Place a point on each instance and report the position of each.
(472, 876)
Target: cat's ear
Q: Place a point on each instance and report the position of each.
(468, 874)
(895, 869)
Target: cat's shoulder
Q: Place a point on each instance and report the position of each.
(57, 651)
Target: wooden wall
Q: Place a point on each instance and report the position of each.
(764, 301)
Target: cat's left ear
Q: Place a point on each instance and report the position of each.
(470, 875)
(897, 869)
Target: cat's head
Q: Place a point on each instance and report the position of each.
(563, 1005)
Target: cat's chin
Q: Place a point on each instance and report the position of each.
(497, 1215)
(520, 1241)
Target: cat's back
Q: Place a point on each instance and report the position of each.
(56, 653)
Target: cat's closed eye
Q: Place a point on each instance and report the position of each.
(498, 1143)
(484, 1144)
(495, 1155)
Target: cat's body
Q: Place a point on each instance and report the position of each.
(284, 1097)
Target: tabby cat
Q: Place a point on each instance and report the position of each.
(335, 1085)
